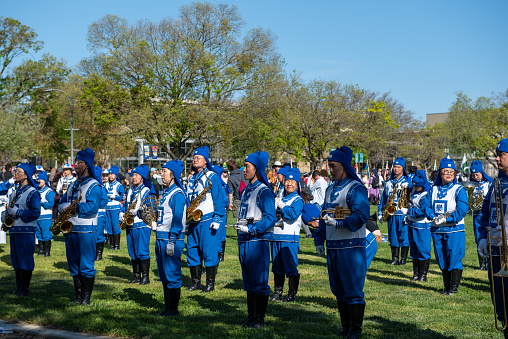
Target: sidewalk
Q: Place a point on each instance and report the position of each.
(34, 331)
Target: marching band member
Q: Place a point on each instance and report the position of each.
(24, 207)
(257, 208)
(203, 236)
(138, 235)
(222, 244)
(279, 185)
(397, 229)
(115, 194)
(447, 208)
(286, 239)
(489, 218)
(65, 180)
(101, 216)
(479, 193)
(81, 241)
(419, 227)
(345, 241)
(170, 236)
(44, 222)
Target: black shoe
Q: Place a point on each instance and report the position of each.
(47, 248)
(416, 269)
(294, 281)
(111, 241)
(424, 269)
(356, 312)
(145, 271)
(25, 282)
(107, 240)
(99, 249)
(251, 309)
(278, 282)
(261, 301)
(210, 279)
(344, 318)
(78, 281)
(395, 255)
(195, 272)
(446, 282)
(41, 248)
(19, 280)
(136, 269)
(221, 254)
(174, 299)
(403, 255)
(117, 241)
(456, 275)
(86, 290)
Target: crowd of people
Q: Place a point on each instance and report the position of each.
(94, 206)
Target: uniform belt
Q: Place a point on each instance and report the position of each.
(22, 229)
(244, 237)
(82, 228)
(345, 243)
(137, 225)
(286, 237)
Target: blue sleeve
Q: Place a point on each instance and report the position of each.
(419, 211)
(218, 198)
(429, 210)
(382, 201)
(121, 192)
(105, 199)
(461, 208)
(319, 235)
(177, 204)
(34, 209)
(294, 210)
(267, 206)
(50, 197)
(360, 209)
(92, 203)
(5, 185)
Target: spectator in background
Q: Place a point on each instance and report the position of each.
(373, 188)
(127, 177)
(324, 174)
(272, 175)
(318, 188)
(153, 179)
(234, 181)
(7, 172)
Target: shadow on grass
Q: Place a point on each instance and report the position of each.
(115, 271)
(302, 261)
(394, 281)
(237, 284)
(143, 299)
(62, 265)
(6, 259)
(120, 259)
(385, 328)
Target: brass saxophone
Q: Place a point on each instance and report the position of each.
(61, 222)
(193, 213)
(9, 220)
(390, 206)
(477, 201)
(128, 219)
(149, 211)
(404, 197)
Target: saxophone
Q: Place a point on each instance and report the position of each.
(194, 214)
(477, 201)
(9, 220)
(128, 219)
(390, 206)
(61, 222)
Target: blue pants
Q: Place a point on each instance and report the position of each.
(80, 251)
(222, 231)
(476, 225)
(346, 271)
(138, 243)
(496, 266)
(101, 223)
(419, 241)
(112, 220)
(370, 248)
(285, 257)
(170, 268)
(255, 262)
(43, 233)
(22, 251)
(397, 231)
(202, 244)
(449, 249)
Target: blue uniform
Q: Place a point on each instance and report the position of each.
(419, 226)
(370, 247)
(138, 235)
(115, 193)
(45, 219)
(483, 189)
(101, 216)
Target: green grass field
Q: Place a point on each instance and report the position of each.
(396, 307)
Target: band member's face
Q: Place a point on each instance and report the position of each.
(41, 183)
(418, 189)
(280, 177)
(290, 186)
(136, 179)
(337, 170)
(199, 161)
(447, 175)
(19, 175)
(249, 171)
(80, 167)
(478, 176)
(105, 177)
(398, 170)
(112, 177)
(167, 176)
(67, 172)
(502, 161)
(313, 223)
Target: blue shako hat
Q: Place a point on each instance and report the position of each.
(204, 152)
(115, 170)
(502, 145)
(98, 174)
(88, 155)
(177, 167)
(143, 170)
(29, 169)
(218, 170)
(310, 211)
(445, 163)
(401, 162)
(260, 161)
(344, 155)
(294, 174)
(476, 167)
(43, 175)
(283, 170)
(420, 180)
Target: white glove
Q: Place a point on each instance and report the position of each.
(483, 248)
(403, 210)
(380, 218)
(242, 228)
(215, 225)
(63, 206)
(154, 225)
(111, 196)
(12, 210)
(404, 185)
(120, 216)
(3, 200)
(170, 249)
(12, 181)
(496, 233)
(133, 211)
(439, 221)
(280, 205)
(320, 249)
(329, 221)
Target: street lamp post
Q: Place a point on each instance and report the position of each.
(71, 101)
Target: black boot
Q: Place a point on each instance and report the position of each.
(483, 263)
(356, 312)
(41, 248)
(47, 248)
(107, 241)
(111, 241)
(166, 301)
(403, 254)
(278, 282)
(174, 299)
(19, 280)
(454, 281)
(424, 269)
(99, 249)
(136, 268)
(25, 282)
(446, 282)
(86, 290)
(294, 281)
(395, 255)
(416, 269)
(195, 272)
(344, 318)
(261, 303)
(221, 257)
(210, 279)
(117, 241)
(251, 309)
(78, 280)
(145, 272)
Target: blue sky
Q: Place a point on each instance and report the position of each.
(423, 52)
